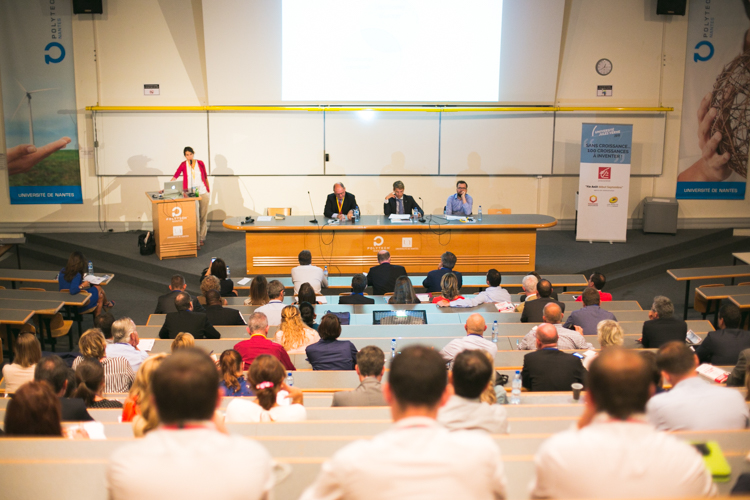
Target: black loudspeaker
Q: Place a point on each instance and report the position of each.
(87, 7)
(671, 7)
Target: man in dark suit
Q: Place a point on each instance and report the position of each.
(165, 303)
(340, 204)
(382, 278)
(723, 346)
(547, 368)
(399, 203)
(53, 371)
(370, 368)
(217, 314)
(359, 283)
(533, 310)
(185, 320)
(662, 326)
(433, 279)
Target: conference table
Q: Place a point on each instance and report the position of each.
(36, 276)
(504, 242)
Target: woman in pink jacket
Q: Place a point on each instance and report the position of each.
(195, 179)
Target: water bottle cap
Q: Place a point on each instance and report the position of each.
(289, 374)
(518, 372)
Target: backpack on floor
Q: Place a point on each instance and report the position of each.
(146, 243)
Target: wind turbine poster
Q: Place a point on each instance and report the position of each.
(39, 102)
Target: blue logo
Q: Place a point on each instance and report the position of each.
(48, 59)
(697, 57)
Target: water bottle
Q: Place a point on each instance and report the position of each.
(494, 332)
(91, 268)
(227, 271)
(414, 216)
(325, 271)
(289, 379)
(479, 214)
(356, 214)
(515, 395)
(393, 348)
(445, 211)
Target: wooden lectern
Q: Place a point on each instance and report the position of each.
(175, 226)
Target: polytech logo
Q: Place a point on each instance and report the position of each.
(605, 173)
(378, 241)
(176, 211)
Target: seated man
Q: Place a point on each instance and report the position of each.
(723, 346)
(399, 203)
(460, 203)
(662, 326)
(417, 457)
(165, 303)
(359, 283)
(470, 376)
(186, 454)
(185, 320)
(692, 404)
(547, 368)
(566, 339)
(104, 323)
(434, 278)
(258, 343)
(474, 339)
(621, 453)
(217, 314)
(125, 343)
(382, 278)
(370, 369)
(590, 314)
(54, 371)
(493, 293)
(528, 283)
(533, 310)
(307, 273)
(340, 204)
(597, 280)
(272, 310)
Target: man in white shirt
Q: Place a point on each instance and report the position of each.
(566, 339)
(470, 376)
(272, 310)
(692, 404)
(474, 339)
(417, 458)
(307, 273)
(621, 453)
(493, 293)
(125, 343)
(188, 455)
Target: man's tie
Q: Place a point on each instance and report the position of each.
(400, 205)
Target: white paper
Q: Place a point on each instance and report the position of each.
(321, 299)
(423, 297)
(146, 344)
(244, 281)
(399, 217)
(455, 217)
(400, 221)
(94, 429)
(96, 280)
(264, 218)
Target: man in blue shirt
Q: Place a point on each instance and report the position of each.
(125, 343)
(459, 203)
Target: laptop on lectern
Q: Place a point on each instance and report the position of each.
(172, 190)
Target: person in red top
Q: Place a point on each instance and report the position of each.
(195, 179)
(597, 280)
(258, 343)
(449, 285)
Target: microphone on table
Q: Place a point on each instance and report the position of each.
(421, 214)
(314, 219)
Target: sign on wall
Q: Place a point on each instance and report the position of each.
(604, 182)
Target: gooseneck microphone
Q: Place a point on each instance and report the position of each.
(421, 214)
(314, 219)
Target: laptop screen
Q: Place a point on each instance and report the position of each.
(172, 186)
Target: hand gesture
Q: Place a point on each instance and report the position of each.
(712, 167)
(390, 195)
(23, 157)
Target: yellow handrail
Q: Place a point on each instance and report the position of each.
(427, 109)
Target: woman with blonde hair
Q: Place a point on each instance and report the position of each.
(258, 292)
(118, 374)
(139, 408)
(182, 340)
(293, 334)
(449, 286)
(233, 382)
(609, 333)
(209, 283)
(27, 352)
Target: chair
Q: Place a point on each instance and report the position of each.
(703, 306)
(494, 211)
(286, 211)
(399, 317)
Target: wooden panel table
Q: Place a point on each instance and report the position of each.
(706, 273)
(78, 300)
(176, 225)
(505, 242)
(35, 276)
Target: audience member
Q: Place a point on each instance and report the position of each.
(90, 385)
(533, 311)
(329, 353)
(610, 334)
(33, 411)
(434, 279)
(27, 353)
(392, 464)
(621, 453)
(218, 268)
(566, 339)
(233, 382)
(307, 273)
(403, 292)
(597, 281)
(273, 308)
(257, 344)
(382, 278)
(494, 393)
(258, 292)
(181, 341)
(53, 371)
(471, 375)
(370, 369)
(118, 374)
(125, 343)
(71, 278)
(187, 320)
(650, 357)
(217, 314)
(528, 283)
(359, 283)
(306, 294)
(589, 316)
(208, 284)
(493, 293)
(293, 334)
(737, 376)
(547, 368)
(662, 326)
(449, 289)
(538, 277)
(307, 313)
(165, 303)
(139, 406)
(189, 461)
(104, 323)
(692, 404)
(474, 339)
(723, 346)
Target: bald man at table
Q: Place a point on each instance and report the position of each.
(340, 204)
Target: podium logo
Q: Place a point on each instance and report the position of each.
(614, 199)
(593, 198)
(605, 173)
(378, 241)
(176, 211)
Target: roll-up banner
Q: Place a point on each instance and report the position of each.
(604, 182)
(39, 104)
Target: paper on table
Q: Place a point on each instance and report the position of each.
(244, 281)
(455, 217)
(400, 221)
(399, 216)
(146, 344)
(96, 280)
(321, 299)
(264, 218)
(423, 297)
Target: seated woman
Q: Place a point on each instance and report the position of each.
(610, 333)
(118, 374)
(34, 410)
(329, 353)
(306, 294)
(139, 407)
(218, 268)
(258, 292)
(90, 385)
(403, 292)
(449, 286)
(181, 341)
(233, 382)
(307, 313)
(27, 352)
(293, 334)
(209, 283)
(71, 278)
(267, 379)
